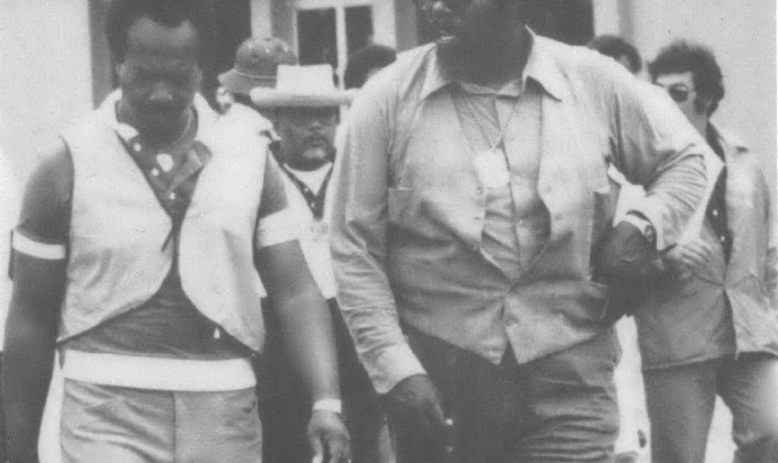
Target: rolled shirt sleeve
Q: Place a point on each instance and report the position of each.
(359, 225)
(658, 148)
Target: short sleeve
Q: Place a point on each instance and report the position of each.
(42, 230)
(277, 224)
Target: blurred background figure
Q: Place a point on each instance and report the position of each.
(304, 106)
(300, 112)
(365, 63)
(619, 49)
(708, 326)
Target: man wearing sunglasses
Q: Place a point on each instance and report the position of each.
(473, 235)
(709, 325)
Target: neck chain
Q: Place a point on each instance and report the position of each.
(501, 136)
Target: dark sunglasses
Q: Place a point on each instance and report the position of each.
(679, 93)
(302, 117)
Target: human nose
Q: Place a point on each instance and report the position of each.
(161, 93)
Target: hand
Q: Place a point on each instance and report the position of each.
(328, 436)
(624, 254)
(414, 406)
(688, 259)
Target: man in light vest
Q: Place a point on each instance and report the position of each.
(138, 255)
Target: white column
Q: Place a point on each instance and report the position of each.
(384, 22)
(261, 18)
(607, 19)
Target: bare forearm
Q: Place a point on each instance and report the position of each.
(27, 366)
(306, 326)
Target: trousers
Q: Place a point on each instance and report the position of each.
(285, 406)
(681, 402)
(125, 425)
(559, 408)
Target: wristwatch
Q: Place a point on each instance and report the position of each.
(643, 224)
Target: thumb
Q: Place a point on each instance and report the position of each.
(316, 446)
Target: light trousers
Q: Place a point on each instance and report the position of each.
(122, 425)
(681, 402)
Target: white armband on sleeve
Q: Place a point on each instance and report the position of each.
(328, 405)
(24, 245)
(278, 228)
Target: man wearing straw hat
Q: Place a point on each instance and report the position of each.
(304, 106)
(142, 238)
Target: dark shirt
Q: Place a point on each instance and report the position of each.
(717, 206)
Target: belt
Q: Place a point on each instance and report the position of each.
(159, 373)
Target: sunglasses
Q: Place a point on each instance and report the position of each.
(679, 93)
(302, 117)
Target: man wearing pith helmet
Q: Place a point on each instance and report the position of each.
(304, 106)
(138, 255)
(256, 63)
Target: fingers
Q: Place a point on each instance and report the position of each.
(328, 438)
(314, 439)
(694, 255)
(340, 450)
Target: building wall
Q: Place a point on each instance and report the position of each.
(744, 41)
(45, 73)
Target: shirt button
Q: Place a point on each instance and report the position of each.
(477, 220)
(722, 239)
(479, 191)
(155, 172)
(136, 147)
(171, 196)
(715, 212)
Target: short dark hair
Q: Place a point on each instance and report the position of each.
(364, 60)
(122, 14)
(682, 56)
(616, 47)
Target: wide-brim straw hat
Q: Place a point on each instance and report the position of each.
(256, 64)
(302, 86)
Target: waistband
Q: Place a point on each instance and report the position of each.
(159, 373)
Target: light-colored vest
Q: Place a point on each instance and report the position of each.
(314, 236)
(117, 261)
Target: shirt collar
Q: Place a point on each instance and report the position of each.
(205, 117)
(727, 139)
(540, 67)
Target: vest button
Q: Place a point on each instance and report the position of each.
(155, 172)
(171, 196)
